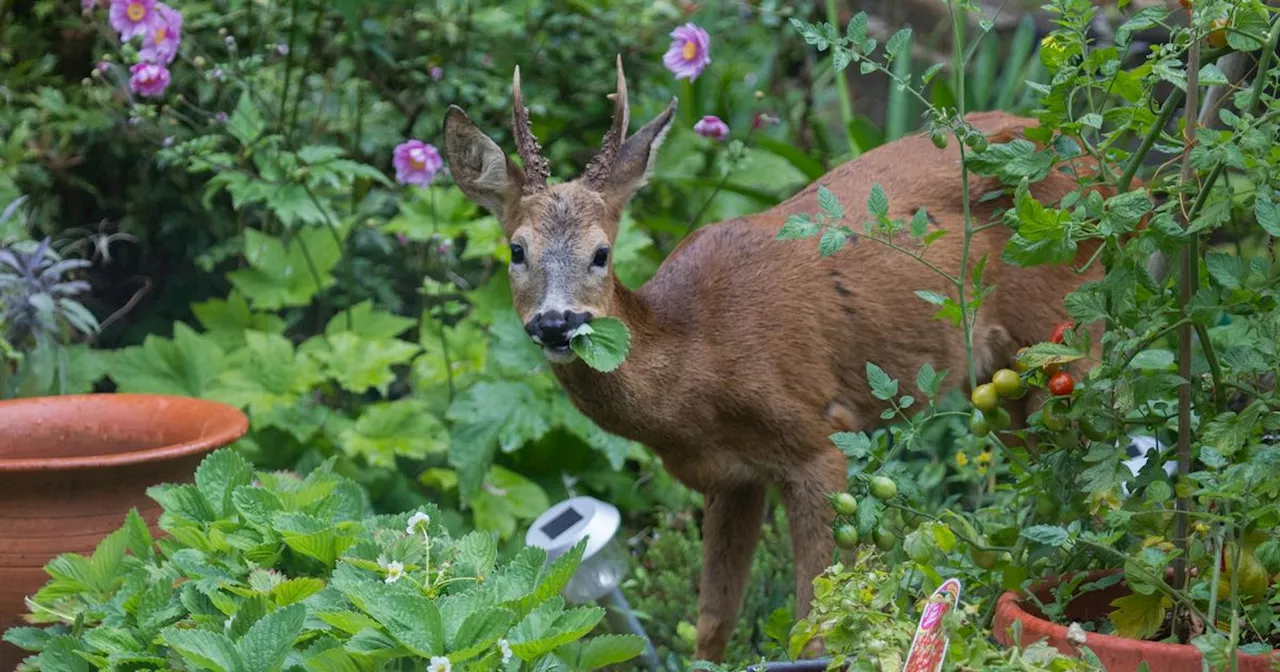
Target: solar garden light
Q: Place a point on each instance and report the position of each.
(604, 560)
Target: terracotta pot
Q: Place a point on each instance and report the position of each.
(72, 466)
(1118, 654)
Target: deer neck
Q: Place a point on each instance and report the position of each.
(618, 401)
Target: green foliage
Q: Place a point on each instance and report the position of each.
(275, 571)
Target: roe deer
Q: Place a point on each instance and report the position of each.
(748, 352)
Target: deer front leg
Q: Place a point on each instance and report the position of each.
(809, 515)
(730, 531)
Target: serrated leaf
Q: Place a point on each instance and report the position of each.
(267, 373)
(295, 590)
(899, 41)
(800, 225)
(264, 647)
(1139, 616)
(882, 386)
(204, 649)
(605, 346)
(1267, 214)
(479, 631)
(920, 223)
(830, 205)
(549, 626)
(245, 124)
(1049, 535)
(1227, 269)
(218, 475)
(313, 537)
(605, 650)
(930, 73)
(359, 363)
(183, 501)
(368, 322)
(832, 241)
(409, 615)
(877, 202)
(509, 499)
(855, 445)
(932, 297)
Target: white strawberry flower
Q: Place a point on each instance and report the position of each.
(439, 664)
(418, 522)
(395, 570)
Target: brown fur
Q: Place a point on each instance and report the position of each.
(748, 352)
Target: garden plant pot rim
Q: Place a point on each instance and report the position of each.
(223, 425)
(1009, 609)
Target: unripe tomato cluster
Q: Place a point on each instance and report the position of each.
(846, 506)
(989, 416)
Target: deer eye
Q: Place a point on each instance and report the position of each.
(517, 254)
(601, 258)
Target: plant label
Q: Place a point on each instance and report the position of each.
(929, 646)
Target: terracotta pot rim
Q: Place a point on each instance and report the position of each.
(1009, 608)
(226, 424)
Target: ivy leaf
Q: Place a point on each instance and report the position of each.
(603, 344)
(245, 124)
(226, 320)
(882, 386)
(405, 427)
(1139, 616)
(267, 373)
(359, 363)
(268, 641)
(184, 366)
(368, 322)
(280, 275)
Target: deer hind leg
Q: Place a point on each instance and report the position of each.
(809, 515)
(730, 532)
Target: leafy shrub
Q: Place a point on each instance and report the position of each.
(669, 561)
(1187, 359)
(275, 571)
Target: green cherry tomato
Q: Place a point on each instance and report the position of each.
(1053, 419)
(985, 398)
(884, 539)
(845, 504)
(1047, 507)
(983, 559)
(883, 487)
(847, 536)
(1094, 429)
(1008, 384)
(939, 138)
(978, 424)
(1000, 420)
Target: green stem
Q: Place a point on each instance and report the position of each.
(842, 89)
(288, 68)
(1157, 127)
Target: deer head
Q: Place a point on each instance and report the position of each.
(561, 234)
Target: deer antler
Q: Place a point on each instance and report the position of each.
(536, 169)
(598, 171)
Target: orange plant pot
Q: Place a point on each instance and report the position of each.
(72, 466)
(1118, 654)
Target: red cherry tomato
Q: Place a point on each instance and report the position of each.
(1059, 332)
(1061, 384)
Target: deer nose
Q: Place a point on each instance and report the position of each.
(552, 327)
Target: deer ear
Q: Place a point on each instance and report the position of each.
(482, 170)
(636, 158)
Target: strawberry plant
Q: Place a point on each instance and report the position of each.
(263, 571)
